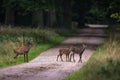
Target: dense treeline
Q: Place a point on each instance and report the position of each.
(58, 13)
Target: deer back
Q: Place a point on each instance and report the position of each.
(21, 49)
(25, 48)
(77, 49)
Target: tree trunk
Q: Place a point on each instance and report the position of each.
(59, 20)
(9, 16)
(52, 18)
(59, 13)
(64, 13)
(67, 14)
(37, 19)
(49, 18)
(48, 24)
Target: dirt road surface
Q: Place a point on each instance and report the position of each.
(45, 66)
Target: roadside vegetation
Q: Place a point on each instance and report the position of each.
(105, 62)
(12, 37)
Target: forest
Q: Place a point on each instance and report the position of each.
(61, 14)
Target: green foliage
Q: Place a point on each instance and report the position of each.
(110, 7)
(66, 10)
(116, 16)
(96, 15)
(110, 71)
(79, 10)
(26, 6)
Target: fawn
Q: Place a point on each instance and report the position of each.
(65, 51)
(23, 50)
(79, 51)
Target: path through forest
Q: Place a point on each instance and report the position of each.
(45, 66)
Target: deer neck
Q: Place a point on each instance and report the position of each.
(29, 46)
(83, 49)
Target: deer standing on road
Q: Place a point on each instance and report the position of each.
(65, 51)
(79, 51)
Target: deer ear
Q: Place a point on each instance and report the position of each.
(31, 39)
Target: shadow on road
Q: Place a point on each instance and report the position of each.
(91, 37)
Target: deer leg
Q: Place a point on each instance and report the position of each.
(66, 57)
(57, 57)
(24, 57)
(61, 57)
(27, 57)
(70, 57)
(73, 57)
(80, 60)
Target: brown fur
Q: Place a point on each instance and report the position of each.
(65, 51)
(23, 50)
(79, 51)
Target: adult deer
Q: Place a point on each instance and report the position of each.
(79, 51)
(24, 50)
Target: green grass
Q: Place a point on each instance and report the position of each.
(7, 59)
(104, 63)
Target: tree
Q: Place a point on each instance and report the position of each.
(9, 11)
(111, 7)
(24, 7)
(80, 8)
(115, 10)
(96, 15)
